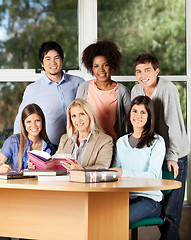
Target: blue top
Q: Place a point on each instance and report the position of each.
(11, 146)
(143, 162)
(53, 99)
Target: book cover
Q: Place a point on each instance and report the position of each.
(13, 175)
(43, 160)
(44, 172)
(91, 176)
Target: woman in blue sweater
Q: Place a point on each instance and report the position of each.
(140, 154)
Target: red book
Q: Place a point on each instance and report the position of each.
(43, 160)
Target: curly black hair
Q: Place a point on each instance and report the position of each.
(106, 48)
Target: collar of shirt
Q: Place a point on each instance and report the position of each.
(75, 137)
(44, 146)
(79, 151)
(48, 81)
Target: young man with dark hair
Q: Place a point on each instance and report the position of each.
(170, 125)
(53, 92)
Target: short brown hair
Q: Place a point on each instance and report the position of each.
(146, 58)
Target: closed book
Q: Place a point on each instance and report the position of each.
(13, 175)
(45, 172)
(43, 160)
(91, 176)
(58, 178)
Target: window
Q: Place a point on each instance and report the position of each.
(153, 26)
(162, 28)
(25, 24)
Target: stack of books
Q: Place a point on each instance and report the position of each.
(18, 174)
(48, 175)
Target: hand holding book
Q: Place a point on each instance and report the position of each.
(71, 164)
(43, 160)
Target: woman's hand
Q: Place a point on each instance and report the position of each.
(71, 164)
(31, 165)
(119, 170)
(4, 168)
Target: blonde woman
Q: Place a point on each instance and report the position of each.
(85, 140)
(33, 136)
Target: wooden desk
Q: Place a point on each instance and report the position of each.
(68, 210)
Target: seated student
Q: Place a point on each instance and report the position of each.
(140, 154)
(109, 99)
(33, 136)
(85, 140)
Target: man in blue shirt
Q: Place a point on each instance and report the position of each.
(53, 92)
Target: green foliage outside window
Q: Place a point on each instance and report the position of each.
(28, 23)
(156, 27)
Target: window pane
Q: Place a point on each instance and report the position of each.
(153, 26)
(10, 98)
(25, 24)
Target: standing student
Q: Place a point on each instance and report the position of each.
(140, 154)
(109, 99)
(33, 136)
(170, 125)
(53, 92)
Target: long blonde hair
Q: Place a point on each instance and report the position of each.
(27, 111)
(94, 125)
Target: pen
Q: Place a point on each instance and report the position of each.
(4, 163)
(1, 161)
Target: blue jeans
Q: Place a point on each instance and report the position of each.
(142, 207)
(173, 203)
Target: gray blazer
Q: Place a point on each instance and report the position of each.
(98, 152)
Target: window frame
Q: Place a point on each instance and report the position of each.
(87, 30)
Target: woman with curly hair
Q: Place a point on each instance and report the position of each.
(109, 99)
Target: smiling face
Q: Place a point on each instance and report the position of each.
(101, 69)
(33, 125)
(146, 75)
(138, 116)
(80, 119)
(52, 64)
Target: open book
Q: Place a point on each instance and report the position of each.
(43, 160)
